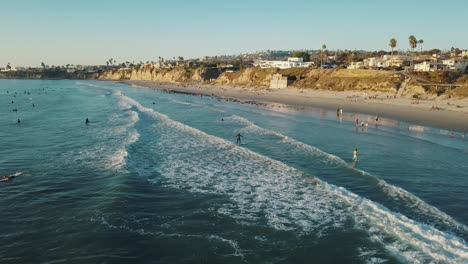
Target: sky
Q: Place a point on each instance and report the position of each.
(85, 32)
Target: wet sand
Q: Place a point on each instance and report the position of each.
(449, 114)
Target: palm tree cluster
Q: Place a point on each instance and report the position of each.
(413, 44)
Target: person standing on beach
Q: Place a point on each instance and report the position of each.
(357, 121)
(355, 155)
(238, 138)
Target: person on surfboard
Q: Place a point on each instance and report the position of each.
(9, 177)
(238, 138)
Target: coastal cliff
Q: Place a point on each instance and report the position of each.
(258, 78)
(338, 80)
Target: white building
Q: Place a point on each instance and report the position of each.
(395, 60)
(290, 63)
(279, 81)
(427, 66)
(456, 64)
(11, 69)
(356, 65)
(375, 62)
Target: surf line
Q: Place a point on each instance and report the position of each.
(387, 188)
(378, 220)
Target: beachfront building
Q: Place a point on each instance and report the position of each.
(456, 64)
(396, 60)
(375, 62)
(428, 66)
(279, 81)
(290, 63)
(356, 65)
(11, 69)
(381, 62)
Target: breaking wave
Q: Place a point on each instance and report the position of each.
(263, 189)
(393, 191)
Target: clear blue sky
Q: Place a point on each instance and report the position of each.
(90, 32)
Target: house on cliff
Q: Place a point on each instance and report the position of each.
(290, 63)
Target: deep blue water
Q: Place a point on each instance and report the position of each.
(156, 178)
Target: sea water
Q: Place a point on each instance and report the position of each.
(157, 177)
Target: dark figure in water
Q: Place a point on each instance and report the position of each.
(19, 121)
(12, 102)
(34, 105)
(238, 138)
(9, 177)
(154, 103)
(87, 121)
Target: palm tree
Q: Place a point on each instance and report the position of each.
(420, 42)
(43, 65)
(321, 53)
(413, 44)
(392, 44)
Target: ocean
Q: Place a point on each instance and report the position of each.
(157, 177)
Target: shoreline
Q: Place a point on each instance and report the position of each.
(451, 114)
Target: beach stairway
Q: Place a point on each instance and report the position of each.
(402, 87)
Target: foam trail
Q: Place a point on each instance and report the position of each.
(184, 103)
(117, 159)
(231, 243)
(389, 189)
(263, 187)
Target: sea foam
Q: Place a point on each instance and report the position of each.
(262, 188)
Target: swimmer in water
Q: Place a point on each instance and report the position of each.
(87, 121)
(19, 121)
(238, 138)
(355, 155)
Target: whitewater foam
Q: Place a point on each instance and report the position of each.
(391, 190)
(262, 188)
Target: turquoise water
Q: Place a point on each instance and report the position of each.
(156, 178)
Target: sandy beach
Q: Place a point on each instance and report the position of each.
(449, 114)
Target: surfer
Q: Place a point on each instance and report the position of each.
(9, 177)
(87, 121)
(355, 155)
(238, 138)
(19, 121)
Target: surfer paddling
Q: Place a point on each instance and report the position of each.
(10, 177)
